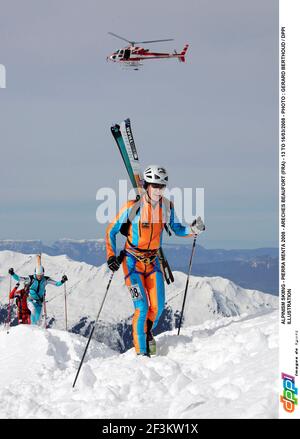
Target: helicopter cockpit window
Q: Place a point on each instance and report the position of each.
(126, 54)
(121, 53)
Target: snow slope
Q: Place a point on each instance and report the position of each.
(224, 368)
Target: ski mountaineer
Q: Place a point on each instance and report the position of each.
(145, 220)
(21, 302)
(37, 290)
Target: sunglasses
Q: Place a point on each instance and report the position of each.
(158, 186)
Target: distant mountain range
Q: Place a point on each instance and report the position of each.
(91, 251)
(254, 268)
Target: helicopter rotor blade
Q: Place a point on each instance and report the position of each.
(121, 38)
(153, 41)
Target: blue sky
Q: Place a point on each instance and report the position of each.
(212, 121)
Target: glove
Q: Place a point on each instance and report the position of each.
(197, 226)
(113, 263)
(17, 285)
(11, 271)
(64, 279)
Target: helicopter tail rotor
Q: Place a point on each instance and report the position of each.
(181, 57)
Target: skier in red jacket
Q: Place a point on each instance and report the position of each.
(21, 302)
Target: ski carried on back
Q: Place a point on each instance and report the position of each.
(124, 138)
(39, 260)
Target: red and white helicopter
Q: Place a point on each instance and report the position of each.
(132, 56)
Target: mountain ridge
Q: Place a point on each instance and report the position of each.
(254, 268)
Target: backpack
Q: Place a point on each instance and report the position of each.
(32, 280)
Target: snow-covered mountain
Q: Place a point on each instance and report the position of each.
(213, 370)
(209, 298)
(253, 268)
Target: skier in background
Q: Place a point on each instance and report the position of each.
(141, 266)
(21, 302)
(37, 290)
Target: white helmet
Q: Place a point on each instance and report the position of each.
(156, 174)
(27, 282)
(39, 270)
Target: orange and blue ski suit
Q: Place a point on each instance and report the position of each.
(141, 266)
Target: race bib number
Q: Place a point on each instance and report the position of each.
(135, 292)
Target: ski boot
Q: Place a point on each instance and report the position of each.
(144, 355)
(151, 343)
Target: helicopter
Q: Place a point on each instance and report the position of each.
(132, 55)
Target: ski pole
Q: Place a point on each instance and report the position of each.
(9, 307)
(91, 334)
(66, 313)
(45, 312)
(187, 282)
(7, 323)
